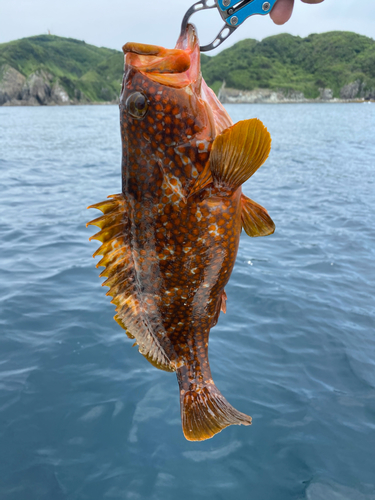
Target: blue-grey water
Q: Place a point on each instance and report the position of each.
(83, 416)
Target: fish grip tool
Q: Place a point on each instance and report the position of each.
(233, 12)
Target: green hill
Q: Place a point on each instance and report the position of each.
(327, 60)
(82, 70)
(42, 68)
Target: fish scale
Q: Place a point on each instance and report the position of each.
(170, 239)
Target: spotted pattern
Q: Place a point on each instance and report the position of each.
(182, 248)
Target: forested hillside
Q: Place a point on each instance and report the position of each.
(327, 60)
(48, 69)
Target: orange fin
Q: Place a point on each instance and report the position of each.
(206, 412)
(202, 181)
(238, 152)
(121, 279)
(107, 206)
(255, 218)
(221, 307)
(224, 298)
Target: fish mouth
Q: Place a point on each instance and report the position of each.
(176, 67)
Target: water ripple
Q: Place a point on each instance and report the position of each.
(84, 416)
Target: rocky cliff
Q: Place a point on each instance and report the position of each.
(326, 67)
(39, 88)
(51, 70)
(354, 92)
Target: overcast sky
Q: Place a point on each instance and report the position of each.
(111, 23)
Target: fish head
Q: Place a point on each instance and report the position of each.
(165, 104)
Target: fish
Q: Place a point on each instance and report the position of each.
(169, 240)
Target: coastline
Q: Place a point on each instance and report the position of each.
(21, 104)
(270, 96)
(41, 89)
(235, 97)
(333, 67)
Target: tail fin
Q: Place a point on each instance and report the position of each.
(205, 412)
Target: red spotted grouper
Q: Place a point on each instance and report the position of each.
(170, 239)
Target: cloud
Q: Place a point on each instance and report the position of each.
(114, 22)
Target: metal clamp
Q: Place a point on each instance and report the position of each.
(233, 12)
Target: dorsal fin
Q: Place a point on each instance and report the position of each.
(121, 279)
(238, 152)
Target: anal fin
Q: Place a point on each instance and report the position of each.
(221, 307)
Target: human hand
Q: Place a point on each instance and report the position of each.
(283, 9)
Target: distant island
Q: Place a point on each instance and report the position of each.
(329, 67)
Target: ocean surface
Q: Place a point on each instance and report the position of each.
(83, 416)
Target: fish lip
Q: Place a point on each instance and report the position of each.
(178, 67)
(188, 39)
(141, 49)
(187, 42)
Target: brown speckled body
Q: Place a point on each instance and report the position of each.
(170, 239)
(184, 247)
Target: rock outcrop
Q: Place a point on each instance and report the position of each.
(11, 84)
(42, 88)
(357, 90)
(326, 94)
(354, 92)
(59, 94)
(351, 91)
(39, 88)
(228, 95)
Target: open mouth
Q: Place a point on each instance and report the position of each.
(176, 67)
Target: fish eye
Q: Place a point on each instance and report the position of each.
(137, 105)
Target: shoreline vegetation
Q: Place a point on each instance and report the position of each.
(327, 67)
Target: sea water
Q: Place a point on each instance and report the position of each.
(83, 416)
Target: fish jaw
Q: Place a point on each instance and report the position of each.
(183, 113)
(170, 143)
(178, 67)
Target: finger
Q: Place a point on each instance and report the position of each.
(312, 1)
(282, 11)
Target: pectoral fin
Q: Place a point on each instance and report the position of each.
(203, 180)
(238, 152)
(255, 218)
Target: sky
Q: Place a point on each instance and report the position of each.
(112, 23)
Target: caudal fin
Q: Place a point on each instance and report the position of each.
(205, 412)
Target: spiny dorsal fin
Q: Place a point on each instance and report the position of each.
(238, 152)
(121, 279)
(255, 218)
(107, 206)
